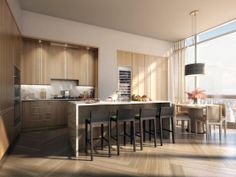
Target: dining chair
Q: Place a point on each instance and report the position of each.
(182, 115)
(213, 117)
(223, 116)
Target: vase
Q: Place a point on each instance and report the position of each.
(195, 101)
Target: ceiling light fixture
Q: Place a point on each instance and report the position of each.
(195, 68)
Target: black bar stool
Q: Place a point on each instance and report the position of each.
(166, 113)
(124, 116)
(97, 118)
(147, 114)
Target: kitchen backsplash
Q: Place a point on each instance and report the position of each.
(35, 91)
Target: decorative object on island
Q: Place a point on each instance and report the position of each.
(140, 98)
(194, 68)
(196, 94)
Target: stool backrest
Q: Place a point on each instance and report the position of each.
(166, 112)
(214, 113)
(99, 115)
(123, 114)
(148, 112)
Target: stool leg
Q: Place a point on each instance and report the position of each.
(109, 139)
(124, 133)
(133, 136)
(141, 133)
(117, 138)
(150, 129)
(131, 132)
(161, 133)
(102, 137)
(155, 132)
(86, 137)
(144, 130)
(91, 139)
(173, 129)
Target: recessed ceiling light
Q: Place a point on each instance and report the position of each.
(40, 41)
(88, 48)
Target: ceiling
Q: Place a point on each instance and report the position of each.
(162, 19)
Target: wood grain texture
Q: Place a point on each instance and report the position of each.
(47, 153)
(42, 62)
(43, 114)
(149, 74)
(10, 55)
(124, 58)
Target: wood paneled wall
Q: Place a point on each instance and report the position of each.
(10, 54)
(149, 74)
(42, 62)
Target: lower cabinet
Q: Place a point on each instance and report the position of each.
(43, 114)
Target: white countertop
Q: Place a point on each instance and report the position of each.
(82, 103)
(48, 99)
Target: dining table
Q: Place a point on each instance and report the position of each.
(195, 112)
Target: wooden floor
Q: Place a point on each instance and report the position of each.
(47, 153)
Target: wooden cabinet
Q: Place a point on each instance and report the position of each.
(8, 36)
(54, 59)
(42, 62)
(43, 114)
(73, 63)
(138, 74)
(31, 63)
(149, 74)
(124, 58)
(10, 55)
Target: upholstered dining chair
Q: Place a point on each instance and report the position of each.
(223, 116)
(213, 117)
(182, 115)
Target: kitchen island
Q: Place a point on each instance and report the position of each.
(78, 111)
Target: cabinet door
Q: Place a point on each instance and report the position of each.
(162, 78)
(30, 63)
(149, 69)
(6, 57)
(91, 68)
(43, 114)
(73, 63)
(83, 67)
(59, 112)
(55, 61)
(138, 74)
(124, 58)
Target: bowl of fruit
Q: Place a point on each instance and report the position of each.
(140, 98)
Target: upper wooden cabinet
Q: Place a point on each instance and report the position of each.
(149, 74)
(138, 74)
(53, 62)
(124, 58)
(30, 63)
(42, 62)
(10, 54)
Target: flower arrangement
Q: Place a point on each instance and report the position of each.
(196, 94)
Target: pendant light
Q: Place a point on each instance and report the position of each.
(195, 68)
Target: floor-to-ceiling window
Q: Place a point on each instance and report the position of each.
(217, 49)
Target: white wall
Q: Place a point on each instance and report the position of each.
(108, 41)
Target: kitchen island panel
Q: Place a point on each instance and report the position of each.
(77, 112)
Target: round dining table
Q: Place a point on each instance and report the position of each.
(195, 111)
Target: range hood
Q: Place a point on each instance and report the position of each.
(69, 80)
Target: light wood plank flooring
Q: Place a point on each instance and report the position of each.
(47, 154)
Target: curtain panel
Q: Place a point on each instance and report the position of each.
(176, 73)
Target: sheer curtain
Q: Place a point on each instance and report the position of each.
(176, 73)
